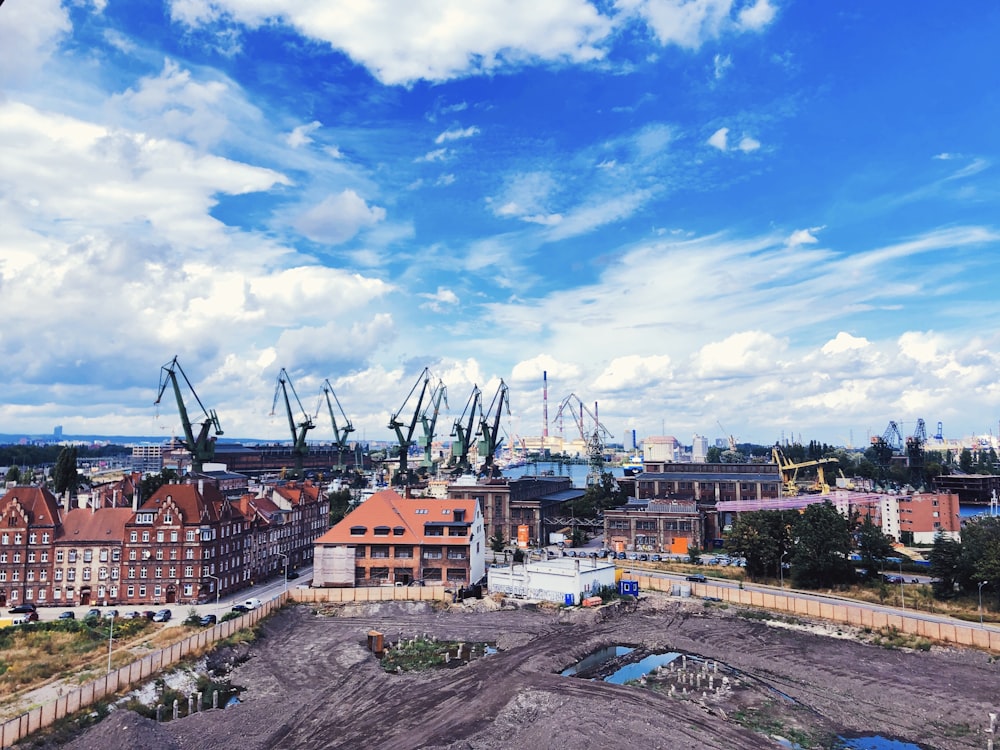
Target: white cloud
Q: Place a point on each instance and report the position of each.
(338, 218)
(746, 353)
(456, 134)
(428, 39)
(722, 63)
(691, 23)
(633, 372)
(440, 299)
(844, 342)
(803, 237)
(440, 154)
(748, 144)
(445, 180)
(30, 33)
(531, 371)
(719, 139)
(300, 136)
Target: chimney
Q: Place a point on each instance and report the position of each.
(201, 486)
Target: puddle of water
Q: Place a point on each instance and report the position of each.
(596, 659)
(631, 672)
(876, 742)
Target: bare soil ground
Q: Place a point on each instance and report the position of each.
(311, 683)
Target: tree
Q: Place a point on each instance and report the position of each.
(497, 542)
(152, 482)
(340, 505)
(822, 544)
(713, 455)
(64, 474)
(981, 554)
(762, 537)
(874, 547)
(947, 565)
(13, 474)
(599, 497)
(965, 461)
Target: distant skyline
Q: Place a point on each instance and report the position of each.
(722, 217)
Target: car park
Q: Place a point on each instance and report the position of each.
(208, 620)
(697, 578)
(162, 615)
(67, 615)
(18, 609)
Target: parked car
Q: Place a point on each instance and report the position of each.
(292, 575)
(18, 609)
(67, 615)
(162, 615)
(148, 614)
(111, 614)
(133, 615)
(892, 579)
(209, 620)
(697, 578)
(656, 558)
(241, 608)
(92, 614)
(252, 603)
(25, 617)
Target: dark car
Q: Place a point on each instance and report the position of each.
(697, 578)
(892, 579)
(292, 575)
(67, 615)
(162, 615)
(148, 614)
(241, 608)
(92, 614)
(208, 620)
(18, 609)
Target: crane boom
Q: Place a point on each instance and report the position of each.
(405, 437)
(429, 423)
(201, 446)
(299, 446)
(462, 431)
(490, 440)
(342, 431)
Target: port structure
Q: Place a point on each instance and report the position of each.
(489, 430)
(299, 431)
(404, 430)
(341, 431)
(464, 432)
(200, 446)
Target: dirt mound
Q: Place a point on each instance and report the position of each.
(125, 730)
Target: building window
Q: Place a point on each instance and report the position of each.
(403, 552)
(86, 574)
(145, 536)
(190, 535)
(432, 574)
(72, 555)
(144, 518)
(59, 555)
(359, 530)
(134, 536)
(159, 536)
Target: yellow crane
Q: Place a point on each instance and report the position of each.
(790, 471)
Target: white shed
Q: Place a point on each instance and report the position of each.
(563, 580)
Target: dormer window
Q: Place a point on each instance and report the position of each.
(381, 531)
(359, 530)
(144, 518)
(398, 531)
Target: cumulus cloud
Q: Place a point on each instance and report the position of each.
(803, 237)
(719, 139)
(432, 40)
(338, 218)
(30, 33)
(691, 23)
(633, 371)
(300, 136)
(746, 352)
(439, 300)
(531, 370)
(844, 342)
(748, 144)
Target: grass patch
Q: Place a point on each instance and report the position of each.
(892, 638)
(422, 654)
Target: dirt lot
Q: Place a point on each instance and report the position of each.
(310, 683)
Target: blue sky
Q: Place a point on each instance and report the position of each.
(770, 215)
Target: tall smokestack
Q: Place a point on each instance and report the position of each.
(545, 405)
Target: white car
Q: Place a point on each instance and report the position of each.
(252, 603)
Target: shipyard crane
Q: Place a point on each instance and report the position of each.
(915, 449)
(578, 413)
(340, 431)
(490, 440)
(462, 431)
(790, 470)
(201, 446)
(886, 445)
(729, 436)
(428, 421)
(299, 447)
(404, 432)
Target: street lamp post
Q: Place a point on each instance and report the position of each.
(781, 569)
(218, 587)
(981, 584)
(286, 569)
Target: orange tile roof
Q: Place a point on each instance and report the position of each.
(40, 504)
(194, 506)
(387, 509)
(86, 526)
